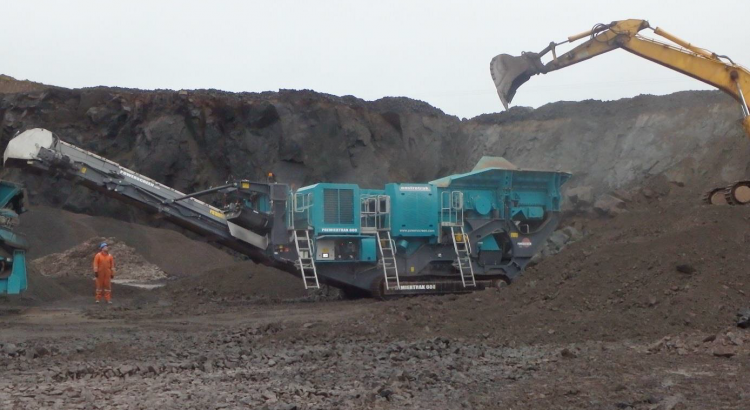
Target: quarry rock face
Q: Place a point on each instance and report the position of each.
(691, 138)
(191, 140)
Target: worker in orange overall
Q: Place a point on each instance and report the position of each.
(104, 271)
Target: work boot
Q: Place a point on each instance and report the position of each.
(97, 301)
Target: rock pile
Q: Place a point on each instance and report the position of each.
(77, 262)
(559, 240)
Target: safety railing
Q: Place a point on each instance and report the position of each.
(451, 208)
(375, 213)
(300, 212)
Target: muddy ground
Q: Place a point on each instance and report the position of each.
(639, 314)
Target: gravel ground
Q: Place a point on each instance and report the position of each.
(321, 355)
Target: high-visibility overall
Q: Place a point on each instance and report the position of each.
(104, 266)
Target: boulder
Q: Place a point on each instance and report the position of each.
(624, 195)
(10, 349)
(535, 259)
(581, 196)
(608, 205)
(725, 352)
(558, 240)
(573, 233)
(126, 370)
(743, 318)
(568, 354)
(685, 268)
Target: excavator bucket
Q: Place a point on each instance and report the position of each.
(509, 72)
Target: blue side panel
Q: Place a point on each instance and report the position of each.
(335, 208)
(511, 193)
(368, 252)
(8, 191)
(17, 282)
(537, 189)
(414, 209)
(480, 201)
(263, 204)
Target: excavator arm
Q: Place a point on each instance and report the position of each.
(510, 72)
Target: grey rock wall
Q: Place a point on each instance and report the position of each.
(689, 137)
(194, 139)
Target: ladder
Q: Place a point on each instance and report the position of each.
(306, 258)
(388, 260)
(463, 253)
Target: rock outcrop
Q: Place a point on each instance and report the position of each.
(191, 140)
(692, 138)
(194, 139)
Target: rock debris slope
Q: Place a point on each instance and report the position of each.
(77, 261)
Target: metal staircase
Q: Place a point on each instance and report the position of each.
(375, 218)
(306, 258)
(387, 249)
(463, 253)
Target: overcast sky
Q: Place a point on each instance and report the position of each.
(437, 51)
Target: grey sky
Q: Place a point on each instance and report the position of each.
(436, 51)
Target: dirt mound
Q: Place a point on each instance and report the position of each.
(77, 262)
(663, 267)
(243, 280)
(41, 289)
(51, 230)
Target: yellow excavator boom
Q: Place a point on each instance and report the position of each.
(510, 72)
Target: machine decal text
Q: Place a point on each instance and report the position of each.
(417, 287)
(139, 179)
(414, 188)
